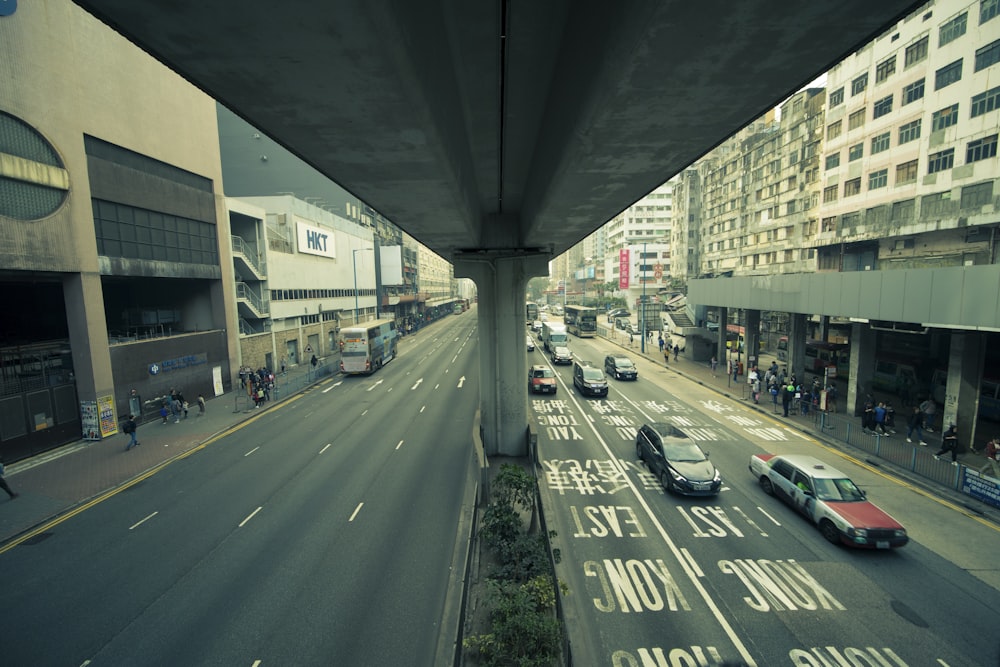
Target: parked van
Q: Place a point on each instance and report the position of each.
(890, 375)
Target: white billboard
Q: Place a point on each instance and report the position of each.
(392, 264)
(314, 240)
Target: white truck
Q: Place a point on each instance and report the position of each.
(554, 335)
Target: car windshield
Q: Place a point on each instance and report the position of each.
(683, 452)
(623, 363)
(543, 373)
(592, 374)
(838, 490)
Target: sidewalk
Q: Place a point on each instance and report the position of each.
(62, 479)
(739, 390)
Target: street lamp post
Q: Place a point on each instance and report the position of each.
(642, 277)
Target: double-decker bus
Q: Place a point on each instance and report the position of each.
(581, 321)
(368, 347)
(532, 311)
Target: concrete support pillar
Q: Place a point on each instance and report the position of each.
(501, 283)
(720, 346)
(824, 328)
(966, 357)
(753, 338)
(862, 367)
(88, 335)
(797, 346)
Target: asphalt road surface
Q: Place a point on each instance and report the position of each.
(658, 579)
(321, 533)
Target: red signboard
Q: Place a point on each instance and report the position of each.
(623, 269)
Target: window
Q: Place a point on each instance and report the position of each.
(850, 219)
(852, 187)
(988, 9)
(830, 193)
(885, 69)
(859, 84)
(837, 97)
(902, 211)
(985, 102)
(906, 172)
(880, 143)
(936, 205)
(953, 29)
(909, 131)
(913, 92)
(855, 152)
(948, 75)
(940, 161)
(944, 118)
(878, 179)
(987, 55)
(856, 119)
(882, 107)
(833, 130)
(916, 52)
(976, 196)
(981, 149)
(833, 160)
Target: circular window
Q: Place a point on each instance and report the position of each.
(35, 184)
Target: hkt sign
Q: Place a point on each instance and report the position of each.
(623, 269)
(315, 240)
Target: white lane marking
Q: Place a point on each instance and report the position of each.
(364, 413)
(355, 513)
(256, 663)
(328, 445)
(438, 385)
(423, 407)
(399, 445)
(244, 521)
(686, 565)
(388, 390)
(377, 383)
(336, 384)
(139, 523)
(764, 512)
(417, 384)
(251, 451)
(690, 559)
(461, 381)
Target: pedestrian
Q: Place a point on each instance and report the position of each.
(175, 409)
(868, 415)
(201, 405)
(164, 412)
(915, 424)
(184, 404)
(666, 357)
(4, 485)
(736, 370)
(880, 419)
(661, 343)
(677, 351)
(715, 364)
(831, 397)
(992, 454)
(949, 442)
(129, 428)
(755, 391)
(787, 395)
(929, 408)
(284, 363)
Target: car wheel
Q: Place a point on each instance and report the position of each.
(638, 451)
(665, 481)
(765, 484)
(829, 531)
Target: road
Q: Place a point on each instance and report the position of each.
(323, 532)
(657, 579)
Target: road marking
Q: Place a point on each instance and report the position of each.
(251, 451)
(139, 523)
(423, 407)
(399, 445)
(364, 412)
(461, 381)
(417, 384)
(328, 445)
(355, 513)
(336, 384)
(252, 514)
(377, 383)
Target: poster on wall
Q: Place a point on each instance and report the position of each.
(623, 269)
(106, 413)
(217, 380)
(88, 420)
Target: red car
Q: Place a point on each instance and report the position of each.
(542, 380)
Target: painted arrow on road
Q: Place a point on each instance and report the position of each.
(374, 385)
(461, 381)
(417, 384)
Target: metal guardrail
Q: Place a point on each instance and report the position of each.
(244, 250)
(260, 304)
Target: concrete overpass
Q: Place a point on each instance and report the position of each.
(500, 133)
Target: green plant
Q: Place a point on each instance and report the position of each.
(525, 630)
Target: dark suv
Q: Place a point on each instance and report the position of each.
(620, 368)
(676, 460)
(589, 380)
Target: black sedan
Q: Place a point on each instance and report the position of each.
(620, 367)
(676, 460)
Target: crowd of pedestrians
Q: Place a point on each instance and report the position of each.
(257, 383)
